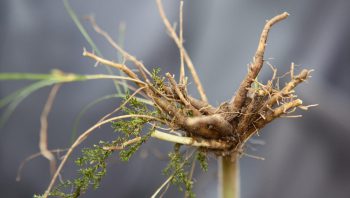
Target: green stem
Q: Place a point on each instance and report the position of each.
(229, 182)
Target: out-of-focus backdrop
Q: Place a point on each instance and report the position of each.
(307, 157)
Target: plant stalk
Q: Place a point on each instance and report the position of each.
(229, 179)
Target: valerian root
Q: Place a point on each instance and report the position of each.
(233, 122)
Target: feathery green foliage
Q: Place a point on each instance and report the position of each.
(132, 128)
(158, 81)
(92, 164)
(202, 159)
(177, 170)
(92, 167)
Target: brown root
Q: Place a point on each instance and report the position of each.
(254, 105)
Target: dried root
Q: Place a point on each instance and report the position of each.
(232, 123)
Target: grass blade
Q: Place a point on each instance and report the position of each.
(23, 76)
(87, 37)
(20, 96)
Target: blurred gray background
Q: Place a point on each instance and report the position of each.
(308, 157)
